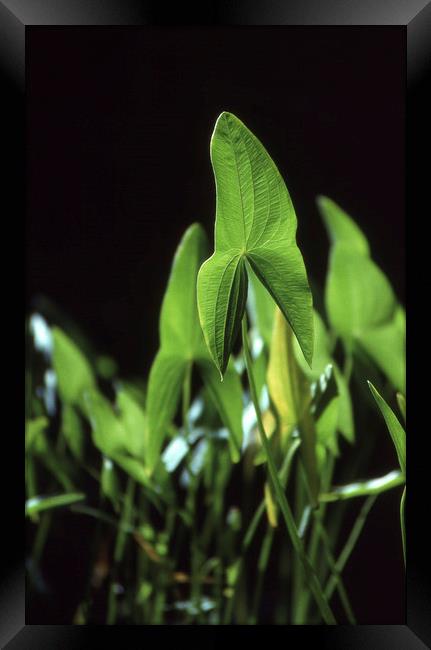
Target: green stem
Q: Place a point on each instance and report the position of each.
(261, 569)
(314, 540)
(311, 577)
(334, 571)
(251, 530)
(120, 541)
(298, 592)
(350, 544)
(318, 520)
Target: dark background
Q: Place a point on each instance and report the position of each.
(118, 129)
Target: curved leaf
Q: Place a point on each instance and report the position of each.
(341, 227)
(255, 221)
(134, 421)
(39, 504)
(290, 392)
(180, 332)
(164, 390)
(74, 373)
(402, 405)
(261, 308)
(386, 346)
(397, 432)
(227, 397)
(358, 295)
(182, 343)
(222, 292)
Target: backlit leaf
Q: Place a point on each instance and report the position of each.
(255, 222)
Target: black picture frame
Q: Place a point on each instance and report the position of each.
(16, 17)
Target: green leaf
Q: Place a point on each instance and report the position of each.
(134, 421)
(38, 504)
(181, 344)
(290, 393)
(72, 430)
(222, 294)
(346, 424)
(358, 295)
(262, 309)
(397, 432)
(180, 340)
(33, 428)
(227, 398)
(321, 359)
(255, 222)
(341, 227)
(74, 373)
(365, 488)
(109, 433)
(164, 390)
(402, 405)
(109, 482)
(386, 346)
(360, 302)
(180, 332)
(287, 384)
(326, 426)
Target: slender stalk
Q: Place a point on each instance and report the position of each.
(41, 536)
(262, 564)
(318, 519)
(350, 544)
(345, 601)
(299, 594)
(251, 530)
(311, 577)
(314, 540)
(120, 541)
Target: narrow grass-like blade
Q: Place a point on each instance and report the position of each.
(39, 504)
(397, 432)
(364, 488)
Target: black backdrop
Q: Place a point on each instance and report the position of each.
(119, 123)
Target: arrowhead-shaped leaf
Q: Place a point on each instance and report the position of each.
(360, 302)
(255, 222)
